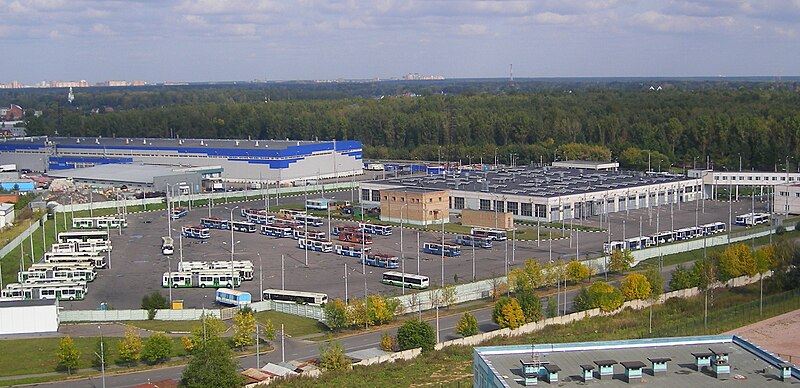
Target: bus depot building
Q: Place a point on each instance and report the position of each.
(134, 176)
(702, 361)
(545, 194)
(243, 161)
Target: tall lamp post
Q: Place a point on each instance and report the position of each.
(102, 356)
(233, 284)
(402, 253)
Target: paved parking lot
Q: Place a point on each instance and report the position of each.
(137, 262)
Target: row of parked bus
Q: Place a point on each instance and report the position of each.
(665, 237)
(64, 271)
(105, 222)
(752, 219)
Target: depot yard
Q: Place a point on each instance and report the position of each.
(137, 264)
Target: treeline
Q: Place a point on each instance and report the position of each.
(674, 126)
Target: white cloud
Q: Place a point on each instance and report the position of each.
(656, 21)
(553, 18)
(473, 29)
(101, 29)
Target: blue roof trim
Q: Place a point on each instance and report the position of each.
(20, 146)
(304, 149)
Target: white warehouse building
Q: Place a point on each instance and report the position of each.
(28, 316)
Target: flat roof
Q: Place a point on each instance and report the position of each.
(28, 302)
(135, 173)
(534, 181)
(748, 366)
(409, 189)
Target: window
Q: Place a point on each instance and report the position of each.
(749, 178)
(376, 195)
(499, 206)
(485, 204)
(512, 208)
(541, 211)
(525, 209)
(458, 202)
(394, 198)
(365, 194)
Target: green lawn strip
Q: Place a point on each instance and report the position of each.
(166, 326)
(565, 226)
(453, 365)
(38, 355)
(294, 325)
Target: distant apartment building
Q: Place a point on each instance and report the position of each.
(68, 84)
(12, 85)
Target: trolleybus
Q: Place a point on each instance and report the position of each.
(315, 245)
(350, 249)
(83, 236)
(301, 297)
(200, 232)
(379, 229)
(278, 230)
(436, 249)
(473, 241)
(380, 260)
(493, 234)
(407, 280)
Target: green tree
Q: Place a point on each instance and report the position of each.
(157, 348)
(683, 277)
(210, 327)
(529, 277)
(656, 281)
(130, 348)
(332, 358)
(508, 313)
(68, 354)
(382, 309)
(635, 286)
(152, 302)
(577, 271)
(467, 325)
(531, 305)
(335, 312)
(552, 306)
(357, 313)
(447, 296)
(212, 365)
(268, 332)
(620, 261)
(416, 334)
(244, 328)
(735, 261)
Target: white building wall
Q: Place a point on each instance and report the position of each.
(6, 214)
(28, 319)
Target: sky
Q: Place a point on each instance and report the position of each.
(242, 40)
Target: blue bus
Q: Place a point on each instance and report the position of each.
(436, 249)
(233, 297)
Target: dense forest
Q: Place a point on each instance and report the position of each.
(684, 123)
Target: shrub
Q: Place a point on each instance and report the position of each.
(467, 325)
(416, 334)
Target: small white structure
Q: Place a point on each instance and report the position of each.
(6, 214)
(28, 316)
(587, 165)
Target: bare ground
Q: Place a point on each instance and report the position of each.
(779, 335)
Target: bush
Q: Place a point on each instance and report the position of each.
(467, 325)
(416, 334)
(635, 286)
(508, 313)
(531, 305)
(153, 302)
(157, 348)
(388, 342)
(331, 357)
(599, 295)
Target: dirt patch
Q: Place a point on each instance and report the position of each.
(779, 335)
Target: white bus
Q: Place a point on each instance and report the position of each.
(60, 291)
(380, 260)
(713, 228)
(379, 229)
(248, 211)
(493, 234)
(310, 220)
(688, 233)
(300, 297)
(636, 243)
(89, 246)
(435, 248)
(311, 234)
(243, 226)
(75, 257)
(167, 245)
(262, 219)
(752, 219)
(407, 280)
(290, 213)
(233, 297)
(195, 232)
(243, 267)
(44, 267)
(215, 223)
(99, 223)
(278, 230)
(473, 241)
(315, 245)
(178, 212)
(83, 236)
(203, 278)
(608, 248)
(64, 275)
(350, 249)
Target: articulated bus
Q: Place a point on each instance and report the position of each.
(342, 228)
(243, 267)
(350, 250)
(311, 234)
(608, 248)
(64, 275)
(60, 291)
(355, 237)
(323, 246)
(493, 234)
(178, 212)
(662, 238)
(636, 243)
(473, 241)
(752, 219)
(407, 280)
(379, 229)
(167, 245)
(214, 223)
(200, 232)
(233, 297)
(203, 278)
(436, 249)
(89, 246)
(75, 257)
(83, 236)
(305, 219)
(278, 230)
(713, 228)
(688, 233)
(381, 260)
(98, 223)
(300, 297)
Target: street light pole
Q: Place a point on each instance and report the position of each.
(260, 277)
(102, 357)
(233, 284)
(402, 253)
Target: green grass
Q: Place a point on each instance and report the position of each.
(166, 326)
(294, 325)
(452, 367)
